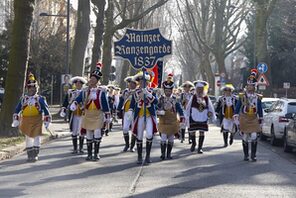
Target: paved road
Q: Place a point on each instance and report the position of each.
(219, 172)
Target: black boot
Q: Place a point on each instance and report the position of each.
(81, 142)
(97, 149)
(148, 150)
(246, 150)
(162, 148)
(107, 132)
(30, 154)
(253, 151)
(110, 127)
(74, 142)
(193, 139)
(126, 139)
(200, 144)
(89, 144)
(139, 149)
(231, 139)
(182, 135)
(35, 153)
(225, 137)
(170, 147)
(189, 138)
(133, 142)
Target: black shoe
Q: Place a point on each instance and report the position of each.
(169, 150)
(89, 144)
(193, 145)
(162, 148)
(81, 142)
(133, 142)
(35, 154)
(225, 138)
(148, 150)
(200, 144)
(253, 151)
(231, 139)
(182, 135)
(30, 154)
(246, 150)
(126, 140)
(139, 150)
(97, 150)
(74, 143)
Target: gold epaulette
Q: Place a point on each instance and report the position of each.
(241, 95)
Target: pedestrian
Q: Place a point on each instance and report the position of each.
(225, 110)
(198, 111)
(169, 109)
(75, 116)
(127, 116)
(249, 116)
(31, 111)
(143, 106)
(96, 107)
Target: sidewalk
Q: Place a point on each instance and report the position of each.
(58, 127)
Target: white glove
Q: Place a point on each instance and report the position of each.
(46, 124)
(108, 119)
(73, 106)
(15, 123)
(129, 115)
(236, 120)
(63, 112)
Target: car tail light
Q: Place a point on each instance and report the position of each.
(283, 119)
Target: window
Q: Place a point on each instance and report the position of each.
(291, 107)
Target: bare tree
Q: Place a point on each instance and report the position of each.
(120, 21)
(81, 37)
(18, 62)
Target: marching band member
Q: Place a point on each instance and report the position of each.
(143, 122)
(185, 97)
(198, 111)
(225, 108)
(123, 111)
(96, 107)
(168, 109)
(249, 116)
(28, 116)
(75, 116)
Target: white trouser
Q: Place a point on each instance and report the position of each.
(127, 122)
(165, 137)
(142, 127)
(76, 125)
(91, 134)
(249, 137)
(30, 142)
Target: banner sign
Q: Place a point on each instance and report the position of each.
(142, 48)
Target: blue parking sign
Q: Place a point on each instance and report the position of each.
(142, 48)
(262, 68)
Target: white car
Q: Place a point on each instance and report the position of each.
(267, 102)
(276, 119)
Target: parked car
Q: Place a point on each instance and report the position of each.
(267, 103)
(290, 134)
(276, 119)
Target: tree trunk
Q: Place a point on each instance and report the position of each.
(18, 62)
(81, 37)
(124, 73)
(99, 30)
(107, 42)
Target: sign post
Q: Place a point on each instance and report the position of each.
(143, 49)
(286, 86)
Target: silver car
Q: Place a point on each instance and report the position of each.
(276, 119)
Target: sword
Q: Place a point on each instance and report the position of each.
(53, 135)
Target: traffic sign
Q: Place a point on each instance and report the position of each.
(223, 75)
(286, 85)
(262, 80)
(262, 68)
(142, 48)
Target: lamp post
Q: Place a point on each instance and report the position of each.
(44, 14)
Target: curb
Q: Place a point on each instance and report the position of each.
(11, 151)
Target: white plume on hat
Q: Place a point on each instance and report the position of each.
(78, 78)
